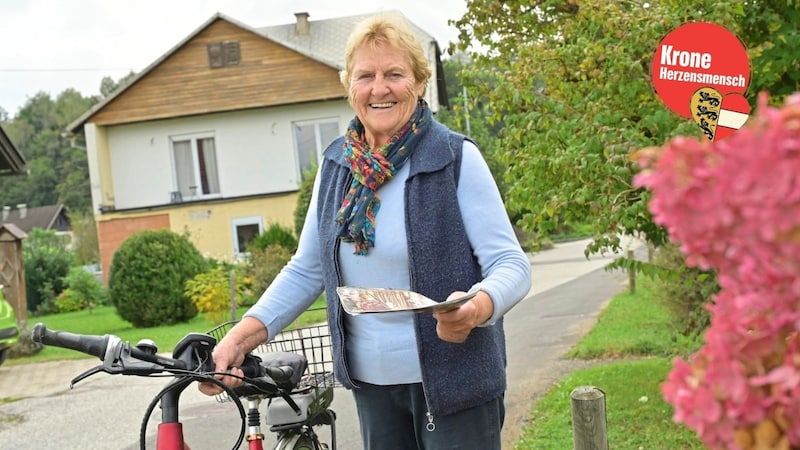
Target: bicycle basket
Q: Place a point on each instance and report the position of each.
(314, 342)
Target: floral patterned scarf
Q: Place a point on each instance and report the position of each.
(370, 169)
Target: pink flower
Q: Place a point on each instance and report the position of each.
(734, 206)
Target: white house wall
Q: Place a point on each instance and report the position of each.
(255, 152)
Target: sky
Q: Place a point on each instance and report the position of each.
(53, 45)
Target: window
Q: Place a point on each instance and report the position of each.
(223, 54)
(311, 138)
(195, 163)
(245, 229)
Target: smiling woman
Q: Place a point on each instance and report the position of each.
(389, 212)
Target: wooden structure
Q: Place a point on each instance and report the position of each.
(12, 269)
(589, 428)
(11, 162)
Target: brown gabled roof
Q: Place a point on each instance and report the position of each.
(53, 217)
(325, 44)
(11, 162)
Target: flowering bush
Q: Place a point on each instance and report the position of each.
(210, 292)
(734, 206)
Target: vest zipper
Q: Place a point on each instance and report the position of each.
(430, 426)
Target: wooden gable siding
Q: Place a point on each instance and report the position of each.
(184, 84)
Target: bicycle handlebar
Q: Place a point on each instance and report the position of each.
(91, 345)
(193, 352)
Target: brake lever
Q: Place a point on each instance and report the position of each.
(93, 371)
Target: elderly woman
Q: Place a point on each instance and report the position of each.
(402, 202)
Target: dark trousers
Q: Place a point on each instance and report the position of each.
(395, 418)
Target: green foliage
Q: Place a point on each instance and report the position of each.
(83, 291)
(769, 31)
(275, 234)
(84, 238)
(147, 278)
(637, 415)
(210, 292)
(264, 265)
(637, 324)
(304, 198)
(570, 82)
(470, 116)
(47, 262)
(59, 172)
(684, 290)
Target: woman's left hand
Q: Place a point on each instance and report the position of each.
(455, 325)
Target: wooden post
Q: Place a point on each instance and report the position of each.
(631, 274)
(589, 418)
(233, 295)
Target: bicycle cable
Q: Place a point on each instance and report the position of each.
(197, 377)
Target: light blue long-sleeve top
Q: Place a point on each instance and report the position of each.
(382, 348)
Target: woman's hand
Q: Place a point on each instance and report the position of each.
(455, 325)
(230, 351)
(226, 355)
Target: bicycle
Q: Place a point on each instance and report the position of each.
(292, 373)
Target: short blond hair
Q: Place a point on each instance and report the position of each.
(392, 30)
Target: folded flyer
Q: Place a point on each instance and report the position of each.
(377, 300)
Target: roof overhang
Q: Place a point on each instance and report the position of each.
(11, 161)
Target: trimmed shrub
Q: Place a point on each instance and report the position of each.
(275, 234)
(147, 278)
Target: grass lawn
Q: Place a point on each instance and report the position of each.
(637, 329)
(104, 320)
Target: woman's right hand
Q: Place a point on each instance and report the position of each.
(230, 352)
(226, 356)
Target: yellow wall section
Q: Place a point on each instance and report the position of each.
(210, 229)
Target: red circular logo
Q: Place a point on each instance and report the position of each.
(698, 70)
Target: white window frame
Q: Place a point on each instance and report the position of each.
(240, 253)
(320, 144)
(193, 138)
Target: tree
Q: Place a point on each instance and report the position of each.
(108, 85)
(58, 167)
(570, 81)
(470, 114)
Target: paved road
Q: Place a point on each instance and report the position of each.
(106, 411)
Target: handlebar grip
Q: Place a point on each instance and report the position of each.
(252, 367)
(89, 344)
(280, 374)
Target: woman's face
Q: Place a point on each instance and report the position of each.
(383, 91)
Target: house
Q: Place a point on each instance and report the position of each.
(11, 162)
(52, 217)
(213, 137)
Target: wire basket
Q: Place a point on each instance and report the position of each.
(314, 342)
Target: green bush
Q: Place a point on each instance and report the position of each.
(304, 198)
(47, 262)
(684, 290)
(147, 278)
(83, 291)
(275, 234)
(263, 266)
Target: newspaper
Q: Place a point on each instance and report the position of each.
(377, 300)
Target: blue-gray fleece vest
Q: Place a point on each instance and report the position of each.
(454, 376)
